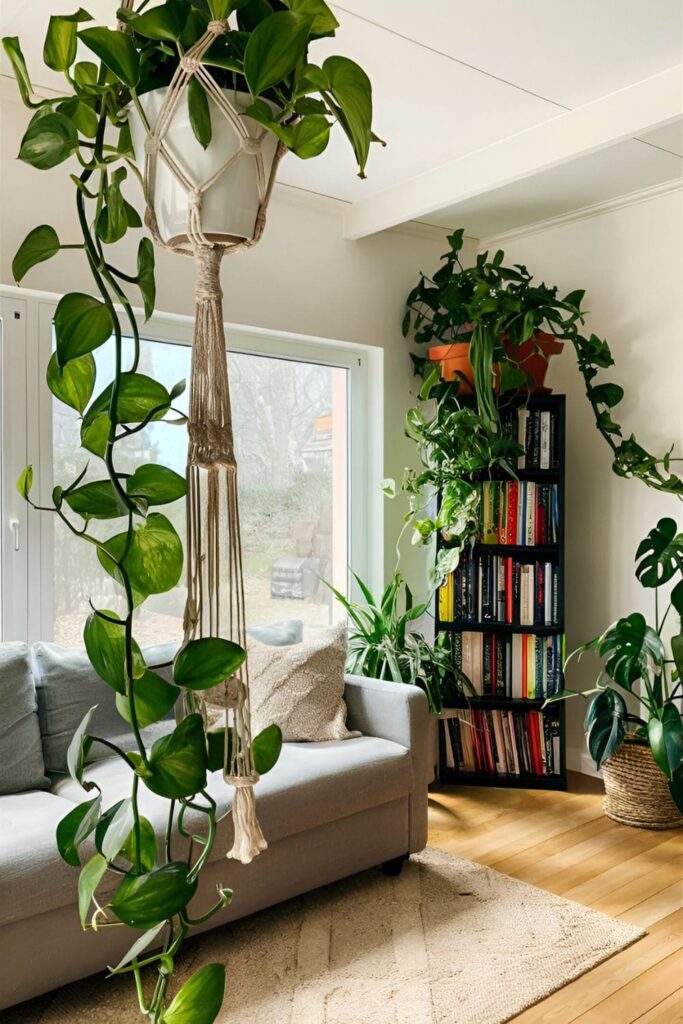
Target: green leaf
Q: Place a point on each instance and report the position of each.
(156, 484)
(310, 136)
(116, 51)
(275, 46)
(90, 877)
(204, 663)
(16, 58)
(154, 560)
(25, 482)
(49, 140)
(666, 739)
(677, 653)
(351, 89)
(216, 749)
(95, 434)
(676, 790)
(200, 115)
(72, 384)
(82, 114)
(139, 398)
(164, 22)
(82, 324)
(143, 901)
(266, 748)
(105, 643)
(154, 698)
(117, 830)
(324, 22)
(607, 394)
(59, 51)
(148, 846)
(79, 747)
(200, 999)
(83, 818)
(661, 554)
(145, 276)
(138, 947)
(632, 648)
(40, 244)
(96, 500)
(178, 761)
(112, 222)
(605, 724)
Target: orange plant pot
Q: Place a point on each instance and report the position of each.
(533, 356)
(455, 364)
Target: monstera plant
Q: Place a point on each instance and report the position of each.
(263, 50)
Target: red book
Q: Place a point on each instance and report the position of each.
(508, 590)
(536, 744)
(513, 496)
(524, 648)
(541, 526)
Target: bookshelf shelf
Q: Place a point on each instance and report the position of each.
(537, 734)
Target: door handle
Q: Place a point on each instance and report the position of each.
(14, 526)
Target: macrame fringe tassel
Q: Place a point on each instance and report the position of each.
(249, 839)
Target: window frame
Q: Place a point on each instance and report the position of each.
(32, 618)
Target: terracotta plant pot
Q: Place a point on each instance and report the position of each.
(533, 355)
(636, 792)
(455, 363)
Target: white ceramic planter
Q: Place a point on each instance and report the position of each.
(230, 206)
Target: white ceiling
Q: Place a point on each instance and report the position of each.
(452, 76)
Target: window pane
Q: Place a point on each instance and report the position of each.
(290, 425)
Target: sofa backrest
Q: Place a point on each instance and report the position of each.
(21, 754)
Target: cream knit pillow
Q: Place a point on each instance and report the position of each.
(300, 687)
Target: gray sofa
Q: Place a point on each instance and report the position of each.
(327, 810)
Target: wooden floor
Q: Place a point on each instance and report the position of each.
(563, 843)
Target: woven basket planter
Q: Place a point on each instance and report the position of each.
(636, 792)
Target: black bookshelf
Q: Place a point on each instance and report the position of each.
(553, 553)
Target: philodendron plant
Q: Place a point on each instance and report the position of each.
(636, 664)
(149, 885)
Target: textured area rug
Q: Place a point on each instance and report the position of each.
(447, 942)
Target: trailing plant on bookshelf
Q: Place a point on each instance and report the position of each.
(637, 666)
(382, 644)
(505, 321)
(262, 51)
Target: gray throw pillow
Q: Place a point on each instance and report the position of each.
(67, 686)
(300, 687)
(21, 753)
(278, 634)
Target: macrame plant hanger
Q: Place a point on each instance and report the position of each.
(215, 604)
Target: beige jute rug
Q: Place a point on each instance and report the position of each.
(447, 942)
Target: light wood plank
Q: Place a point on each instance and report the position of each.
(669, 1011)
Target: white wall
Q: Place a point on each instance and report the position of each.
(303, 277)
(630, 261)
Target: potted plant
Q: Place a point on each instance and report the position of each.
(641, 754)
(265, 46)
(382, 644)
(488, 322)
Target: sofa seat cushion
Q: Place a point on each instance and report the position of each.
(33, 877)
(312, 784)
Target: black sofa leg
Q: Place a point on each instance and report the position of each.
(393, 867)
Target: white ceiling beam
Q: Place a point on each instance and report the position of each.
(639, 108)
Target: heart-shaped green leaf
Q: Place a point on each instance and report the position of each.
(90, 877)
(274, 48)
(49, 140)
(138, 947)
(154, 698)
(72, 384)
(204, 663)
(148, 846)
(200, 999)
(145, 275)
(324, 22)
(200, 115)
(82, 819)
(139, 397)
(40, 244)
(116, 51)
(143, 901)
(106, 646)
(156, 484)
(352, 93)
(177, 762)
(16, 58)
(154, 558)
(96, 500)
(79, 748)
(216, 743)
(118, 830)
(25, 482)
(266, 748)
(59, 51)
(166, 21)
(82, 324)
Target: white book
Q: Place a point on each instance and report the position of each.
(548, 594)
(545, 440)
(530, 526)
(448, 746)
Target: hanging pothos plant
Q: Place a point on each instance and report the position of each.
(264, 50)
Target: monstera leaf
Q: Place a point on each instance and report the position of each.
(660, 554)
(633, 649)
(605, 724)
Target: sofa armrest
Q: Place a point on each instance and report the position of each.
(397, 712)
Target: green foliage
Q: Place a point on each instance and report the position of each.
(85, 123)
(382, 644)
(636, 662)
(495, 308)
